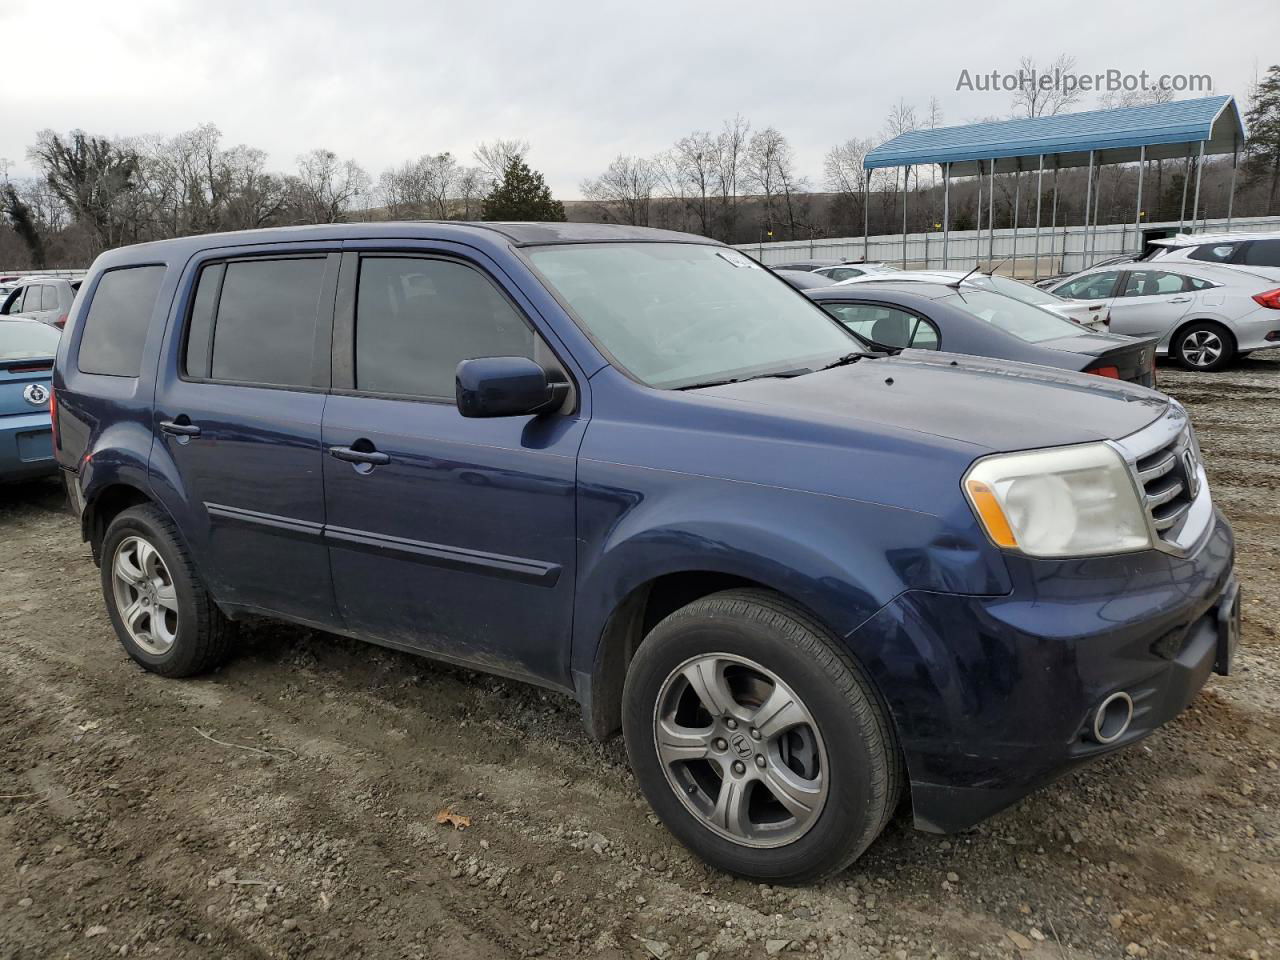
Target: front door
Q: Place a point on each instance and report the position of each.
(449, 535)
(1150, 303)
(238, 411)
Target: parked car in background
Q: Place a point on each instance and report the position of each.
(1050, 282)
(847, 271)
(934, 316)
(27, 350)
(1090, 316)
(804, 583)
(1258, 253)
(1203, 315)
(47, 299)
(806, 264)
(803, 279)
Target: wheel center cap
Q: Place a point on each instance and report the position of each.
(741, 746)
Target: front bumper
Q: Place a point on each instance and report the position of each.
(993, 697)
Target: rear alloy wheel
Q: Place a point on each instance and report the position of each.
(758, 739)
(1204, 346)
(160, 609)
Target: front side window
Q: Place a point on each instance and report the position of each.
(418, 318)
(1214, 252)
(1151, 283)
(265, 325)
(678, 315)
(886, 326)
(1024, 321)
(116, 323)
(1263, 253)
(1095, 286)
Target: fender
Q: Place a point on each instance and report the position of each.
(118, 457)
(842, 559)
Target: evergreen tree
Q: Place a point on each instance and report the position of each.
(521, 195)
(1262, 152)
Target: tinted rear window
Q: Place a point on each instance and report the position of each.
(116, 324)
(266, 321)
(1263, 253)
(1214, 252)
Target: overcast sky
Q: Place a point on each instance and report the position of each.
(581, 80)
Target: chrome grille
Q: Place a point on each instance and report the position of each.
(1169, 482)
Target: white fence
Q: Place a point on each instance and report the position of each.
(1061, 250)
(64, 274)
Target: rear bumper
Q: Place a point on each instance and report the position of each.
(995, 697)
(26, 447)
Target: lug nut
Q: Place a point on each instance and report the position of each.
(719, 744)
(755, 734)
(760, 760)
(739, 767)
(731, 723)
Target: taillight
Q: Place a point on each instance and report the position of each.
(1270, 298)
(1112, 372)
(60, 322)
(53, 416)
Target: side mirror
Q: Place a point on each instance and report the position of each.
(507, 387)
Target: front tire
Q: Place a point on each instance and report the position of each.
(1205, 346)
(758, 740)
(159, 607)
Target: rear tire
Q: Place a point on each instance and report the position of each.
(800, 801)
(160, 609)
(1204, 345)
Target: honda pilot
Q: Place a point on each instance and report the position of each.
(634, 466)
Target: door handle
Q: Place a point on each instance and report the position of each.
(1180, 300)
(177, 429)
(349, 455)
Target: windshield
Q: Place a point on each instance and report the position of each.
(1016, 289)
(681, 314)
(27, 340)
(1026, 322)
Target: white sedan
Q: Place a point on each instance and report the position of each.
(1090, 316)
(1202, 314)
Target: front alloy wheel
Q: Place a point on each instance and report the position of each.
(758, 738)
(741, 750)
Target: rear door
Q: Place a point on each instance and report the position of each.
(1150, 303)
(454, 536)
(238, 410)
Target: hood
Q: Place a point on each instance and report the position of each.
(995, 404)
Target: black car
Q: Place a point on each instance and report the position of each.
(935, 316)
(803, 279)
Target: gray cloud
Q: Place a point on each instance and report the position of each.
(582, 81)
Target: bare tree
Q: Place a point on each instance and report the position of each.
(730, 149)
(624, 192)
(769, 169)
(326, 187)
(93, 177)
(848, 179)
(1033, 99)
(494, 156)
(694, 161)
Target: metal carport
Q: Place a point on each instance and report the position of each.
(1165, 131)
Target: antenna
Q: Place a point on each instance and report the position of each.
(963, 279)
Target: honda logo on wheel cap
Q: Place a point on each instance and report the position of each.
(36, 394)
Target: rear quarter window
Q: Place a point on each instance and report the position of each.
(1263, 253)
(115, 325)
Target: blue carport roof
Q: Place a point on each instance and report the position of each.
(1167, 130)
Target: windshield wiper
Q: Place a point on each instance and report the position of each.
(782, 374)
(847, 359)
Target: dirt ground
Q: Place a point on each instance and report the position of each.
(128, 829)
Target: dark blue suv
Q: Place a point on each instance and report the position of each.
(636, 467)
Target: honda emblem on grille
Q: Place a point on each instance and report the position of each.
(1191, 467)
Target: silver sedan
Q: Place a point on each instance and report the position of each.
(1202, 315)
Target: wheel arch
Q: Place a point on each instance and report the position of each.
(1190, 321)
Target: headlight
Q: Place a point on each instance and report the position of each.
(1065, 502)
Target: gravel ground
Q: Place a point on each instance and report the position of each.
(286, 805)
